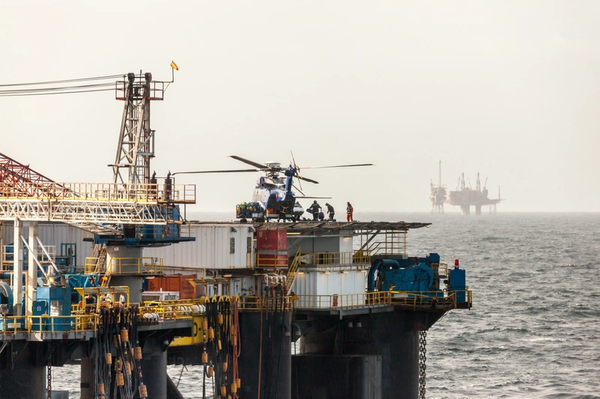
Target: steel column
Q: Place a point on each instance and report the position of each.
(31, 279)
(17, 278)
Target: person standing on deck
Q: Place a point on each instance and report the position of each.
(349, 212)
(315, 208)
(330, 212)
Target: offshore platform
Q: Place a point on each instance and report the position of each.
(307, 309)
(438, 194)
(465, 197)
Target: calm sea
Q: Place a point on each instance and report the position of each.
(534, 329)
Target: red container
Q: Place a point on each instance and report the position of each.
(272, 239)
(176, 282)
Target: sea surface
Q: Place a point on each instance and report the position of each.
(534, 329)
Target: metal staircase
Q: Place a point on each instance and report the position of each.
(293, 270)
(101, 268)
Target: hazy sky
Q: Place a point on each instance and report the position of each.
(510, 89)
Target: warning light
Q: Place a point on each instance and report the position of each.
(456, 263)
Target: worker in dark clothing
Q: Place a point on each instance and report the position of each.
(315, 208)
(330, 212)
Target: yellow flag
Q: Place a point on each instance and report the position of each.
(174, 66)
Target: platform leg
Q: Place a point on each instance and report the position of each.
(154, 368)
(23, 383)
(87, 383)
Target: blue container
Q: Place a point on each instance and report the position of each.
(458, 282)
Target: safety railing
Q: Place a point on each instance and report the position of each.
(272, 260)
(454, 299)
(336, 301)
(49, 324)
(292, 271)
(335, 258)
(45, 255)
(89, 265)
(317, 258)
(390, 242)
(143, 265)
(102, 192)
(267, 303)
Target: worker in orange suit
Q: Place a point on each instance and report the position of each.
(349, 212)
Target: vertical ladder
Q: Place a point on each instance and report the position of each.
(293, 270)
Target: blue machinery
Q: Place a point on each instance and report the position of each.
(416, 275)
(52, 301)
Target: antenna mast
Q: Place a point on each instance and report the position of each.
(136, 139)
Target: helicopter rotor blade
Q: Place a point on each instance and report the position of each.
(293, 160)
(307, 179)
(214, 171)
(296, 171)
(300, 191)
(249, 162)
(339, 166)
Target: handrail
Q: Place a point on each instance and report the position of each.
(318, 258)
(336, 301)
(50, 324)
(102, 192)
(267, 303)
(86, 317)
(45, 255)
(374, 298)
(142, 265)
(335, 258)
(432, 298)
(393, 243)
(293, 270)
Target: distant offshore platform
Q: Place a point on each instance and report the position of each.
(464, 196)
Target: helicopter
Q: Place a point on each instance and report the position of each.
(273, 197)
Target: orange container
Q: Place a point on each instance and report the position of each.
(176, 282)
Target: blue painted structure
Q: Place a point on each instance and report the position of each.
(403, 274)
(149, 235)
(52, 301)
(458, 282)
(6, 297)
